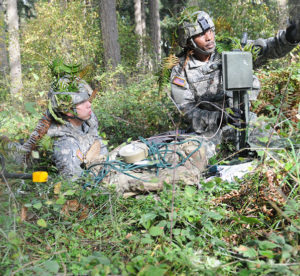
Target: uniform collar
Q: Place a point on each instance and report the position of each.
(194, 63)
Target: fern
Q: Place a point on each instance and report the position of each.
(165, 70)
(59, 68)
(227, 43)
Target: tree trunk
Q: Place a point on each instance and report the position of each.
(155, 28)
(63, 4)
(176, 7)
(109, 29)
(3, 51)
(138, 17)
(139, 31)
(283, 14)
(193, 3)
(14, 48)
(294, 9)
(143, 17)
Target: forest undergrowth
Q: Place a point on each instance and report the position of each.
(247, 227)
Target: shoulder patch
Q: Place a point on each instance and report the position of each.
(179, 81)
(80, 155)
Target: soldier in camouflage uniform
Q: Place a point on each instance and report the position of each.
(196, 81)
(76, 141)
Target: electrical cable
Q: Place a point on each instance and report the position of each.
(157, 157)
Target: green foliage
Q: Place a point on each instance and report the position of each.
(18, 124)
(59, 69)
(276, 83)
(227, 43)
(96, 231)
(231, 18)
(258, 19)
(137, 110)
(165, 70)
(71, 33)
(128, 42)
(248, 227)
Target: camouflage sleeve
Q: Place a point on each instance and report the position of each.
(180, 91)
(66, 157)
(273, 47)
(201, 121)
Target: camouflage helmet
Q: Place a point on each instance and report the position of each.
(65, 94)
(197, 23)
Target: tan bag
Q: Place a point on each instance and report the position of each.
(93, 155)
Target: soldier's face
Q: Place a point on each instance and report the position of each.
(84, 110)
(205, 41)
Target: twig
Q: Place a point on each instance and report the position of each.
(281, 166)
(110, 208)
(287, 119)
(35, 261)
(122, 120)
(63, 265)
(173, 188)
(25, 265)
(279, 211)
(230, 263)
(10, 193)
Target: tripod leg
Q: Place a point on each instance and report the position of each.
(236, 104)
(244, 97)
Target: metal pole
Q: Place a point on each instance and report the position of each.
(236, 104)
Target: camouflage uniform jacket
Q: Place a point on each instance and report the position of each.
(71, 144)
(197, 86)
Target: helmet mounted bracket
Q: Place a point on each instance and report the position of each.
(203, 24)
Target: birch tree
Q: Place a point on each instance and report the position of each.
(14, 48)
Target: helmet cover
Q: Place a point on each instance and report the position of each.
(66, 93)
(199, 22)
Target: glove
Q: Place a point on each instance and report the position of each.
(293, 32)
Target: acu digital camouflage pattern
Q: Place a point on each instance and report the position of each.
(147, 180)
(199, 90)
(189, 29)
(72, 143)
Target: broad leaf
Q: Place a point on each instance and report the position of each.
(42, 223)
(264, 245)
(51, 266)
(247, 252)
(156, 231)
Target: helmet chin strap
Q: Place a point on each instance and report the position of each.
(200, 51)
(72, 117)
(75, 117)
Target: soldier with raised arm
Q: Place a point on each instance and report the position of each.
(196, 81)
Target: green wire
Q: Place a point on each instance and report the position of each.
(157, 154)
